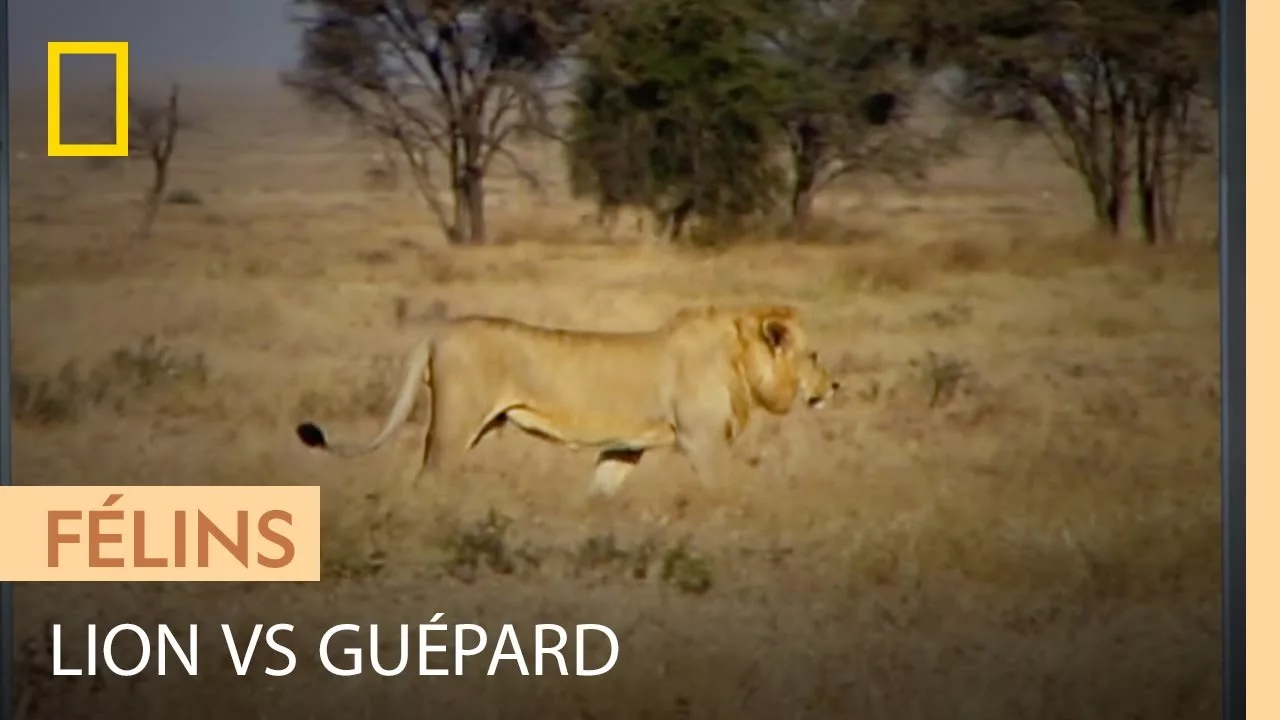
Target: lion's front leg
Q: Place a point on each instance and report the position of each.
(705, 430)
(710, 456)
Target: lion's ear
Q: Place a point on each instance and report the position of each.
(775, 332)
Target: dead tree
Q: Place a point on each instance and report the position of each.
(152, 133)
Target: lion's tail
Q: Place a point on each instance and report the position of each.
(312, 436)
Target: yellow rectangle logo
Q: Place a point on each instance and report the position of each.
(241, 533)
(119, 148)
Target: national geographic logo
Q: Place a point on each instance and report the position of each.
(118, 50)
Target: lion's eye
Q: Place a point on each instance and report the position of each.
(813, 356)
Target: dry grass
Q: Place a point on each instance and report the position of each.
(1013, 513)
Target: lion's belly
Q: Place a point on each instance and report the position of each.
(593, 395)
(595, 428)
(621, 434)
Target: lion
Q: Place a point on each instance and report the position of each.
(690, 384)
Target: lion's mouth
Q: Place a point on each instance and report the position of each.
(817, 402)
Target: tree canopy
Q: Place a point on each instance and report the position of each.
(728, 110)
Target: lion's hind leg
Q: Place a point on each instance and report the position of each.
(612, 468)
(458, 422)
(537, 423)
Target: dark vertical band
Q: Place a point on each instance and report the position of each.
(8, 700)
(1231, 212)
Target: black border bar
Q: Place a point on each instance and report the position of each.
(8, 700)
(1231, 293)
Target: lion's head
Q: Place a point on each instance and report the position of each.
(778, 361)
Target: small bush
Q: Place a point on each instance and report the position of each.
(47, 400)
(686, 570)
(183, 196)
(942, 375)
(126, 374)
(603, 556)
(484, 546)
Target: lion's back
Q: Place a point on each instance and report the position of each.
(584, 374)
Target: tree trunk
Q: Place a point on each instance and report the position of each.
(1160, 229)
(472, 201)
(1118, 173)
(1112, 163)
(1169, 188)
(678, 217)
(1100, 193)
(1158, 224)
(804, 157)
(467, 169)
(1107, 181)
(1146, 185)
(801, 206)
(460, 228)
(155, 197)
(803, 191)
(469, 226)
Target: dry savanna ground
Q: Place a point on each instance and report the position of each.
(1013, 511)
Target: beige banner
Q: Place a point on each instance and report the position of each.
(1262, 356)
(157, 533)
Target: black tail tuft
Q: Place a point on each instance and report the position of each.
(311, 435)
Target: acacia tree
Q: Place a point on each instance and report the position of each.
(441, 80)
(1172, 95)
(1119, 87)
(850, 90)
(673, 112)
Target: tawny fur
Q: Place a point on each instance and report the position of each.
(691, 384)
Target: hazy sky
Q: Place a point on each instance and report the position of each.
(166, 37)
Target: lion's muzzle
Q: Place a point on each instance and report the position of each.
(819, 401)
